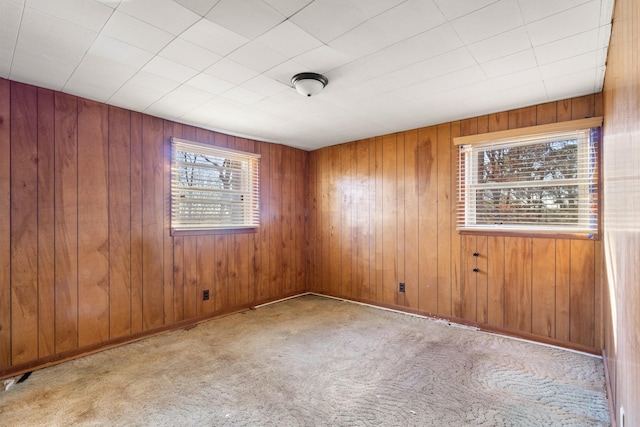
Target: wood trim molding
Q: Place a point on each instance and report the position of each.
(529, 131)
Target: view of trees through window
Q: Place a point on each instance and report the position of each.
(532, 183)
(210, 188)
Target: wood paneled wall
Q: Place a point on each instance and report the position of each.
(382, 212)
(621, 172)
(86, 258)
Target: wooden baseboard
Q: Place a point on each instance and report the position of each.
(45, 362)
(480, 326)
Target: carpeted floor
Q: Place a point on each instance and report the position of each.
(313, 361)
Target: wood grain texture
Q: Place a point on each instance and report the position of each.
(446, 199)
(621, 241)
(24, 221)
(66, 222)
(543, 287)
(153, 223)
(5, 224)
(86, 234)
(46, 223)
(93, 223)
(428, 218)
(119, 207)
(137, 244)
(411, 194)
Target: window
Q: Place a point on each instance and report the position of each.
(538, 182)
(213, 188)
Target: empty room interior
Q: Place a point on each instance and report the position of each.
(309, 212)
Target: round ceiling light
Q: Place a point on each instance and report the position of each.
(309, 84)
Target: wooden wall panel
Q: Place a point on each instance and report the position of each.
(119, 208)
(137, 246)
(428, 218)
(86, 254)
(93, 223)
(5, 224)
(46, 223)
(389, 220)
(445, 221)
(524, 286)
(24, 221)
(411, 223)
(66, 222)
(543, 287)
(153, 223)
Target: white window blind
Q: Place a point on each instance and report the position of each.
(542, 183)
(213, 188)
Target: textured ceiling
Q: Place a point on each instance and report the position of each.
(227, 65)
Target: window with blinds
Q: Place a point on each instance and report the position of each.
(538, 183)
(213, 188)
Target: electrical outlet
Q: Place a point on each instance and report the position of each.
(205, 295)
(401, 287)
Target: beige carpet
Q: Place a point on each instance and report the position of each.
(314, 361)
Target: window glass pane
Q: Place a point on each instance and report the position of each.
(531, 162)
(528, 205)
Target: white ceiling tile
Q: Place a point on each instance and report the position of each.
(98, 79)
(257, 56)
(408, 19)
(9, 25)
(165, 14)
(27, 68)
(434, 67)
(211, 84)
(404, 21)
(432, 43)
(567, 47)
(510, 64)
(453, 9)
(285, 71)
(111, 3)
(516, 79)
(135, 32)
(231, 71)
(142, 90)
(373, 8)
(168, 69)
(242, 95)
(289, 39)
(53, 32)
(322, 59)
(265, 86)
(571, 85)
(200, 7)
(213, 37)
(539, 9)
(190, 94)
(569, 65)
(249, 18)
(46, 42)
(113, 50)
(565, 24)
(169, 108)
(189, 54)
(604, 35)
(288, 7)
(328, 19)
(489, 21)
(501, 45)
(89, 14)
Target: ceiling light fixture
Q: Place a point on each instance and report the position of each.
(309, 84)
